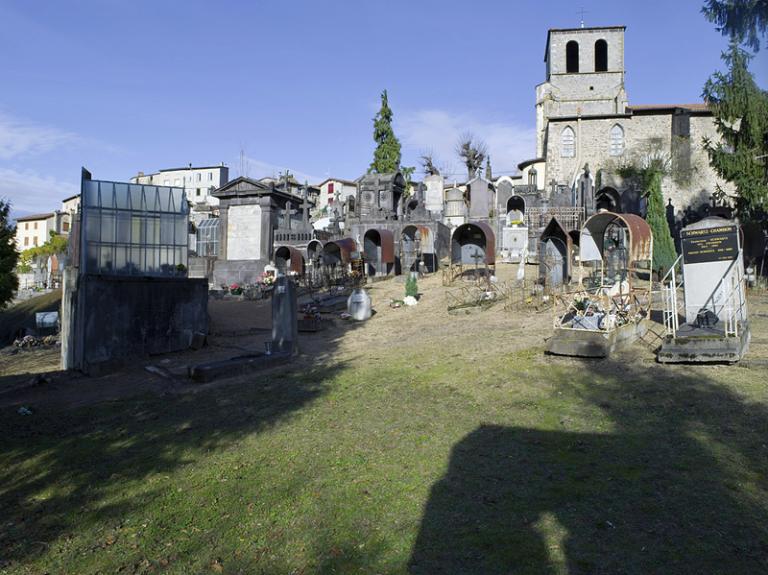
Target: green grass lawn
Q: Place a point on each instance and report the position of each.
(410, 462)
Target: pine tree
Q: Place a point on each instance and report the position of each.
(740, 109)
(386, 157)
(741, 20)
(8, 256)
(664, 254)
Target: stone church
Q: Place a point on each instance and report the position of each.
(584, 118)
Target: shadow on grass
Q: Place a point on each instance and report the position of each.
(64, 470)
(676, 485)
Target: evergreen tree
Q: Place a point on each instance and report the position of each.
(664, 254)
(8, 255)
(386, 157)
(741, 20)
(740, 109)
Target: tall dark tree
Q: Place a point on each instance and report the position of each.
(741, 20)
(8, 256)
(664, 254)
(386, 157)
(740, 109)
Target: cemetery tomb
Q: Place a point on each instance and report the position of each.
(289, 259)
(515, 210)
(473, 244)
(379, 250)
(314, 250)
(338, 252)
(417, 245)
(556, 255)
(608, 199)
(715, 327)
(611, 310)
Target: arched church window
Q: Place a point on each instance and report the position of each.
(617, 140)
(572, 57)
(568, 143)
(601, 56)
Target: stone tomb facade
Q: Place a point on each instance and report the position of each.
(253, 216)
(394, 231)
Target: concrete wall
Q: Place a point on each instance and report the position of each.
(110, 320)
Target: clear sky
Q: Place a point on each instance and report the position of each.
(122, 86)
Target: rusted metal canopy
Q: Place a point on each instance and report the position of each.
(344, 246)
(386, 240)
(292, 256)
(640, 246)
(488, 235)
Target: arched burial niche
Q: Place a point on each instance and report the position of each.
(608, 199)
(515, 209)
(379, 249)
(473, 243)
(572, 57)
(314, 250)
(289, 260)
(556, 249)
(601, 56)
(337, 252)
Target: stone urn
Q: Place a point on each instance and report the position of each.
(359, 305)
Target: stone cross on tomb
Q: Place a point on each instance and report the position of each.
(305, 207)
(287, 213)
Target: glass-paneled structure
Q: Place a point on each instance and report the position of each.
(134, 229)
(208, 237)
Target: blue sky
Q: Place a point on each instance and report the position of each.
(120, 86)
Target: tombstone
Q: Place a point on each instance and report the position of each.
(433, 197)
(514, 243)
(584, 192)
(556, 255)
(716, 328)
(481, 199)
(711, 249)
(285, 328)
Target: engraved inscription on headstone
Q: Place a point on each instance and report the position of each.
(710, 244)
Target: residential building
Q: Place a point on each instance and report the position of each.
(330, 187)
(198, 182)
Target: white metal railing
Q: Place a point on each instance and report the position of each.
(669, 291)
(727, 300)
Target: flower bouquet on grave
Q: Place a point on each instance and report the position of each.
(235, 289)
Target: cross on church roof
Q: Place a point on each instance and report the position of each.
(581, 13)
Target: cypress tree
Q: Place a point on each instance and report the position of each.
(740, 109)
(8, 256)
(386, 157)
(664, 254)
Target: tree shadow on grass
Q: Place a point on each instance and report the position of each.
(678, 485)
(63, 471)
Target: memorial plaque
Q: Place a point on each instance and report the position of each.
(717, 244)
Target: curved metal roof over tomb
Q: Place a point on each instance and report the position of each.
(592, 236)
(488, 235)
(345, 246)
(293, 256)
(387, 243)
